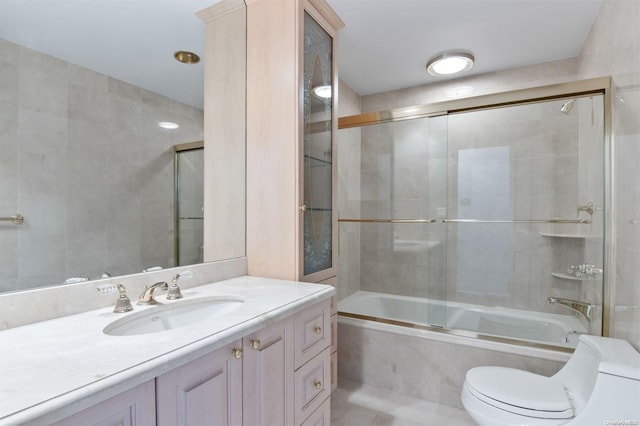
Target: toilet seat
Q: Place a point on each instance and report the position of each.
(519, 392)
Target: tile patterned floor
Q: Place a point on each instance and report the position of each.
(354, 404)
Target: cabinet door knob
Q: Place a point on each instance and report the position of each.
(255, 343)
(237, 353)
(318, 385)
(303, 208)
(317, 330)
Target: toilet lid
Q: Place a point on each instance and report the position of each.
(520, 392)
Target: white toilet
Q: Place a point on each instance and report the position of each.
(599, 385)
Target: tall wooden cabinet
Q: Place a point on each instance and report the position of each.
(291, 122)
(278, 56)
(270, 96)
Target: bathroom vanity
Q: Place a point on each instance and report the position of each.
(265, 361)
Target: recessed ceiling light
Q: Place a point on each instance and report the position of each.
(168, 125)
(450, 63)
(323, 92)
(186, 57)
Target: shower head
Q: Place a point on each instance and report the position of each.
(567, 106)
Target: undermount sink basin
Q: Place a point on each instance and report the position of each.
(174, 315)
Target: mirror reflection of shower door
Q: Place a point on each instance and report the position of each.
(189, 202)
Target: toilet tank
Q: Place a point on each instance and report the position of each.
(593, 355)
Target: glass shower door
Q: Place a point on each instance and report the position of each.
(525, 218)
(402, 195)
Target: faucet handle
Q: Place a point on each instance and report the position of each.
(123, 304)
(174, 291)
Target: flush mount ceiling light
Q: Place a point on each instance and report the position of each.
(186, 57)
(168, 125)
(323, 92)
(450, 63)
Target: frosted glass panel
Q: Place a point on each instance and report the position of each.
(318, 163)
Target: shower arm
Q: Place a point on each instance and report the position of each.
(583, 308)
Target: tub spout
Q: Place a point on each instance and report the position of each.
(583, 308)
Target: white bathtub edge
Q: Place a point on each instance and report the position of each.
(546, 354)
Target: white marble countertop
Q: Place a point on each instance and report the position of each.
(52, 369)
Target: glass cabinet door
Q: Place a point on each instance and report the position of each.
(317, 150)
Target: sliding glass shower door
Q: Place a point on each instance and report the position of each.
(525, 210)
(488, 221)
(402, 193)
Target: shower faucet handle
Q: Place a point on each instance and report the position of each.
(586, 208)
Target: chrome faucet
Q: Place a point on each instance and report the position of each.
(146, 298)
(583, 308)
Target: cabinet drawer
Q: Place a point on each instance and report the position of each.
(320, 417)
(312, 385)
(313, 332)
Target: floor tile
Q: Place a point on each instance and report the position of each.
(354, 404)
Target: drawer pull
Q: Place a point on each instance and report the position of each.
(318, 385)
(317, 330)
(255, 343)
(237, 353)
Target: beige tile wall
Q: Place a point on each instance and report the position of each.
(613, 48)
(349, 180)
(418, 366)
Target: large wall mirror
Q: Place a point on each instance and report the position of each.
(83, 88)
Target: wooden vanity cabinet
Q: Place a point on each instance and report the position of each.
(267, 382)
(246, 382)
(280, 377)
(135, 407)
(206, 391)
(277, 375)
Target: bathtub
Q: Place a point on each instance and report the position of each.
(468, 320)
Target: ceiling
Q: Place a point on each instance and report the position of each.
(385, 43)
